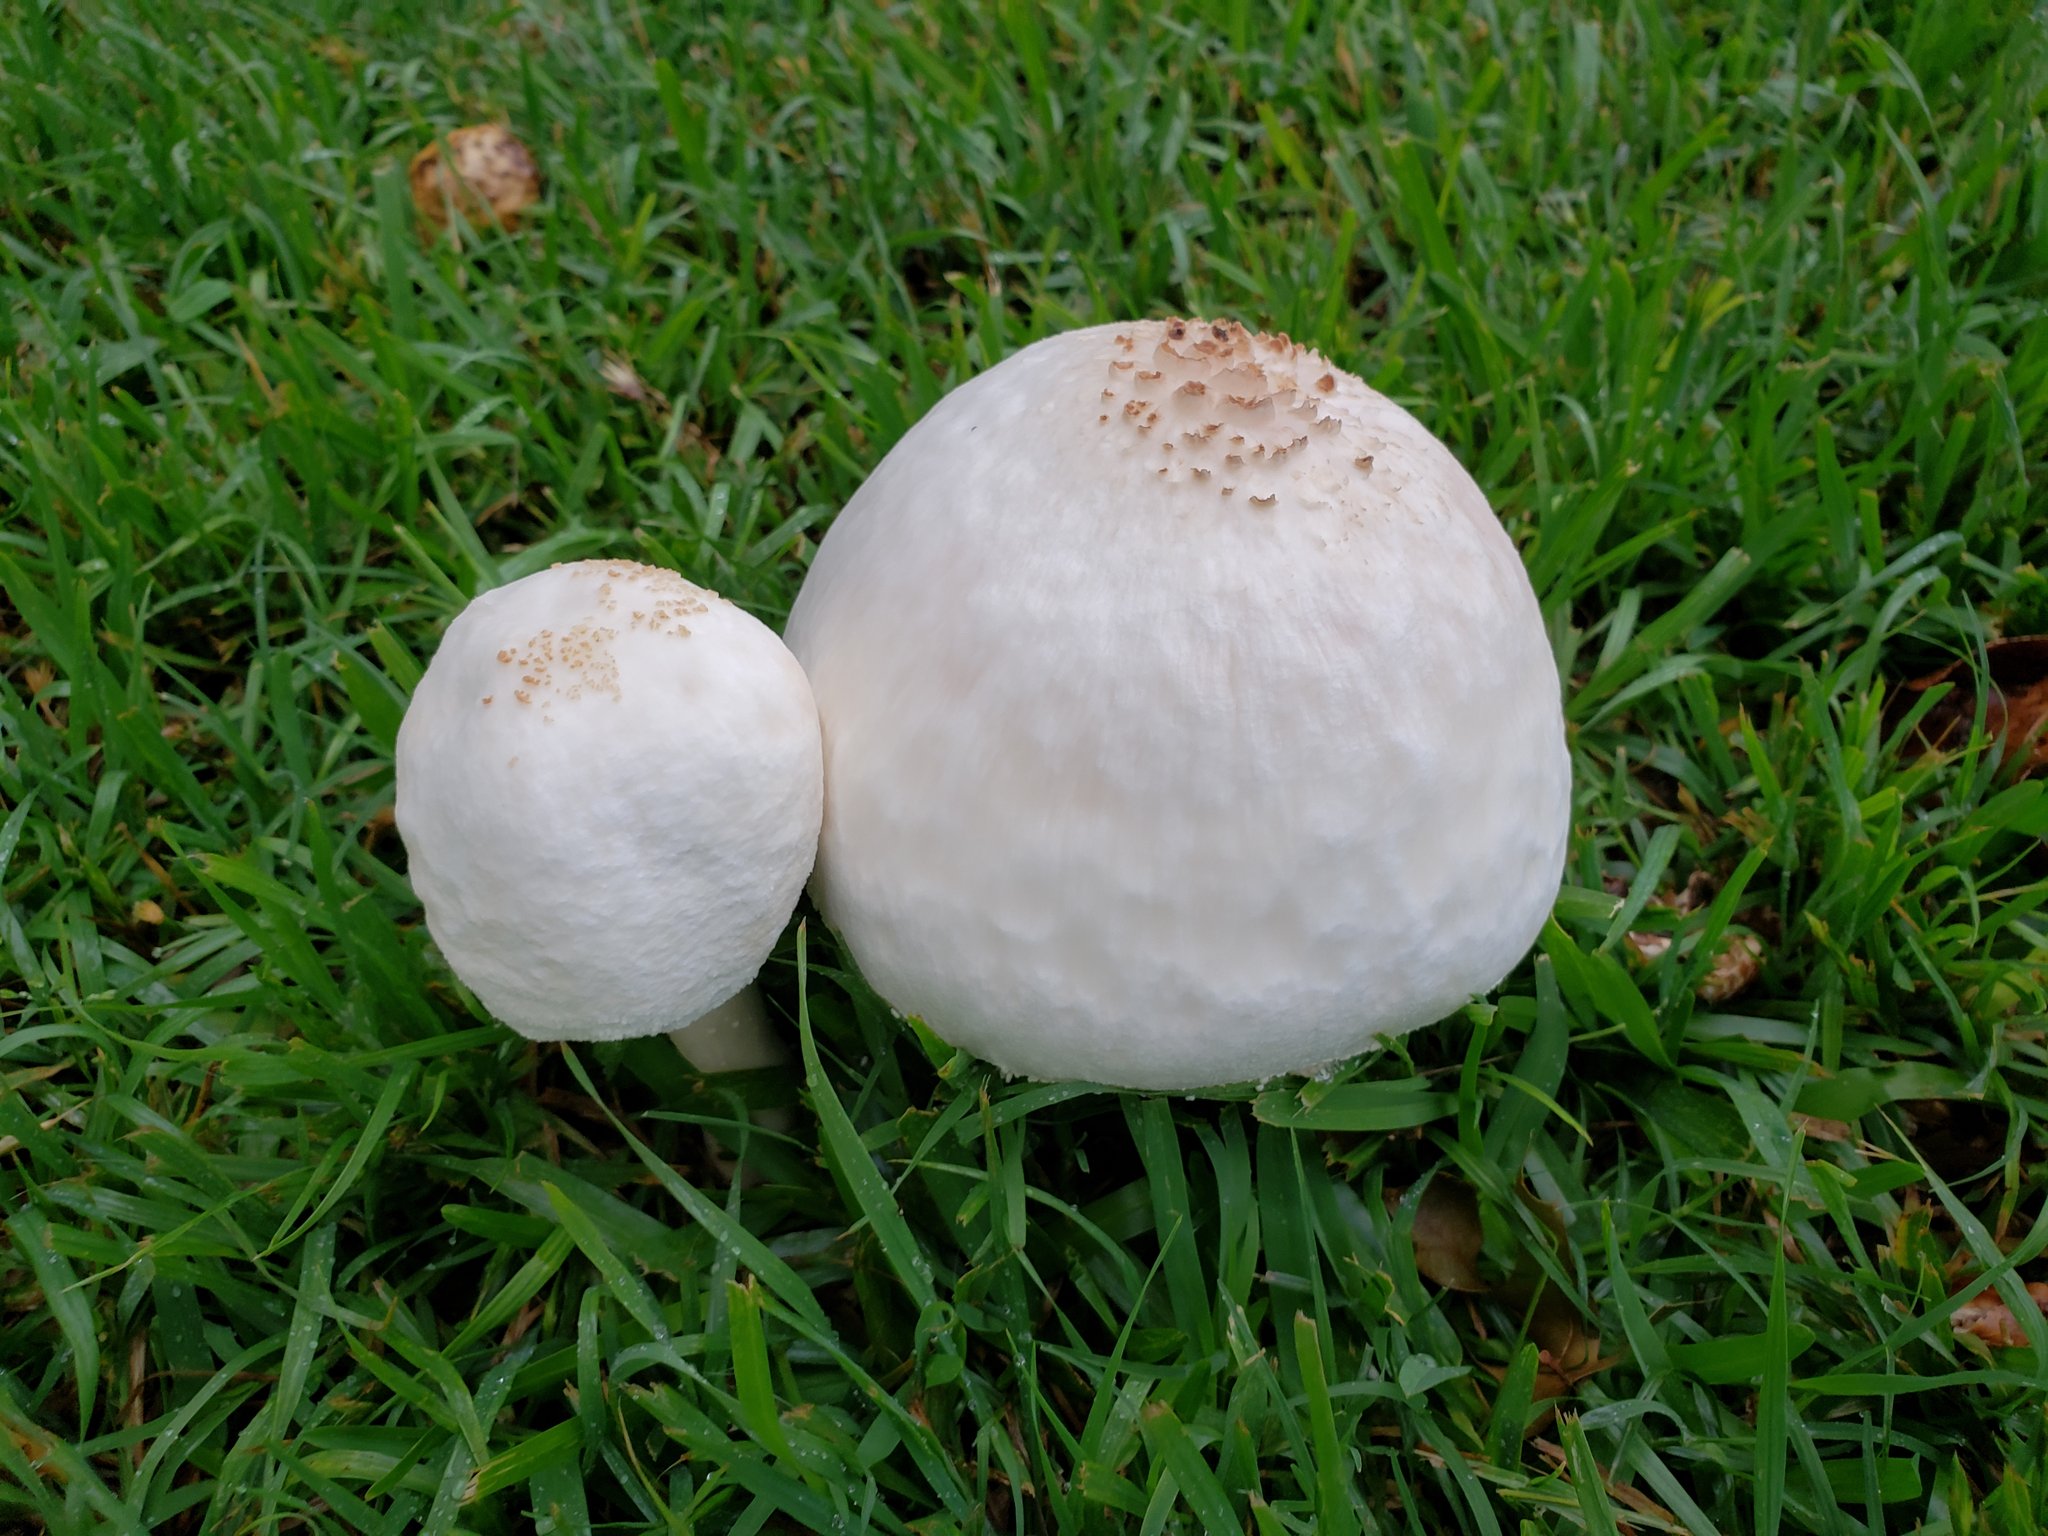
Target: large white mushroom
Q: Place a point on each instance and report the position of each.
(609, 790)
(1188, 716)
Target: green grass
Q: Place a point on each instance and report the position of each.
(1738, 313)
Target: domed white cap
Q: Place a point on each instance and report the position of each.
(609, 790)
(1188, 715)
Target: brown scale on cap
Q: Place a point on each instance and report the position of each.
(580, 660)
(1232, 400)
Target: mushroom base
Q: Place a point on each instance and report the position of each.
(733, 1037)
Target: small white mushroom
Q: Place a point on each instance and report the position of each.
(1188, 716)
(609, 790)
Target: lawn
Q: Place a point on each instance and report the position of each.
(1737, 313)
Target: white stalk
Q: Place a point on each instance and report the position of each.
(733, 1037)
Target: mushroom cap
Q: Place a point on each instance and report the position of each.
(492, 169)
(609, 790)
(1188, 716)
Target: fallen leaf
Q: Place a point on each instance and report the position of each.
(1643, 1504)
(493, 171)
(1554, 1379)
(623, 380)
(522, 1321)
(1447, 1234)
(1565, 1347)
(146, 911)
(1699, 890)
(34, 1449)
(377, 823)
(1736, 965)
(1448, 1237)
(69, 1117)
(1786, 1239)
(1737, 962)
(1986, 1317)
(1734, 968)
(1648, 947)
(1817, 1129)
(135, 1410)
(336, 52)
(1636, 1500)
(1547, 1386)
(2015, 712)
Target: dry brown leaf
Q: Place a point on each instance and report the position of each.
(1648, 947)
(135, 1410)
(34, 1449)
(1787, 1239)
(1734, 968)
(1699, 890)
(1565, 1349)
(336, 52)
(1622, 1493)
(1735, 965)
(1643, 1504)
(493, 171)
(1563, 1346)
(69, 1117)
(1986, 1317)
(1448, 1238)
(1553, 1380)
(1447, 1234)
(1547, 1387)
(2015, 713)
(623, 380)
(378, 822)
(1817, 1129)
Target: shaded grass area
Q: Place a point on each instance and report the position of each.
(1735, 312)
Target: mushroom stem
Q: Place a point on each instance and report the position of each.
(733, 1037)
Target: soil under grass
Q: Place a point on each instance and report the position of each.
(1737, 313)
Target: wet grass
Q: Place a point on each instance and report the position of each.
(1736, 312)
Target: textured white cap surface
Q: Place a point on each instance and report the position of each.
(1188, 716)
(609, 790)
